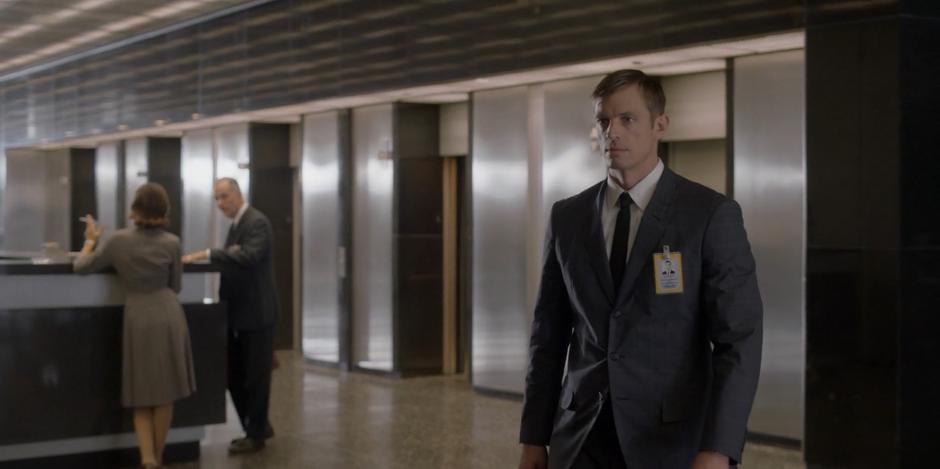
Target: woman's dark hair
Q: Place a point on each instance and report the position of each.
(151, 206)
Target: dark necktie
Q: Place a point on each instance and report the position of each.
(618, 249)
(230, 237)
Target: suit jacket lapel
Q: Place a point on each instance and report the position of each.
(593, 237)
(651, 229)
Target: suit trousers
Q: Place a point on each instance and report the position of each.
(249, 377)
(601, 449)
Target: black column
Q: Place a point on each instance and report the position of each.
(873, 235)
(344, 144)
(919, 293)
(419, 241)
(82, 192)
(164, 159)
(272, 192)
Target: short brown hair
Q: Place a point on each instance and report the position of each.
(151, 206)
(652, 90)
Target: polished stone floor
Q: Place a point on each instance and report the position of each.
(328, 419)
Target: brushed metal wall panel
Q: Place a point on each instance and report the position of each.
(770, 184)
(197, 172)
(200, 214)
(454, 133)
(58, 206)
(569, 164)
(25, 202)
(37, 206)
(135, 168)
(231, 160)
(320, 249)
(695, 105)
(703, 161)
(373, 268)
(499, 174)
(106, 184)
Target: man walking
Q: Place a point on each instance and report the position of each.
(646, 341)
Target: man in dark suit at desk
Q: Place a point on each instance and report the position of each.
(649, 293)
(248, 289)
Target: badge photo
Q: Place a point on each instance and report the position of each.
(667, 272)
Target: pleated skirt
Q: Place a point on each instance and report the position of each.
(158, 360)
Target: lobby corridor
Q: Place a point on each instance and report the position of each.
(327, 419)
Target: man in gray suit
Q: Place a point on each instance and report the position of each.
(247, 287)
(649, 292)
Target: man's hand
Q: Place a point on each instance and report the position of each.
(534, 457)
(710, 460)
(195, 257)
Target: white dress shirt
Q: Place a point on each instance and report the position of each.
(641, 193)
(238, 217)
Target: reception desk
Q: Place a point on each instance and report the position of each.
(60, 367)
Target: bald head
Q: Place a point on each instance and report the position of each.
(228, 196)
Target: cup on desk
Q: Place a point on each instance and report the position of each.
(54, 253)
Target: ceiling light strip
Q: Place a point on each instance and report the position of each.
(132, 40)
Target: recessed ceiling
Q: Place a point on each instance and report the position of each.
(34, 32)
(679, 61)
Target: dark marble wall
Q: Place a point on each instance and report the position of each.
(919, 272)
(852, 232)
(873, 268)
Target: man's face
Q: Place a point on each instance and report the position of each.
(227, 199)
(628, 129)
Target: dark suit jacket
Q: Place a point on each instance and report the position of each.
(681, 369)
(247, 273)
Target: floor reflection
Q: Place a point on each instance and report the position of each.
(328, 419)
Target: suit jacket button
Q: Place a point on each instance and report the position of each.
(614, 357)
(617, 314)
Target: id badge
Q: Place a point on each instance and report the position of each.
(667, 272)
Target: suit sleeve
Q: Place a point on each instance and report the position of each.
(255, 248)
(734, 316)
(548, 345)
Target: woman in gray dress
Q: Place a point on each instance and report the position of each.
(157, 362)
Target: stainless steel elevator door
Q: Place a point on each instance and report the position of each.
(320, 250)
(373, 268)
(499, 174)
(106, 185)
(770, 185)
(231, 160)
(199, 211)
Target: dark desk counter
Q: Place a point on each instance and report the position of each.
(33, 263)
(60, 359)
